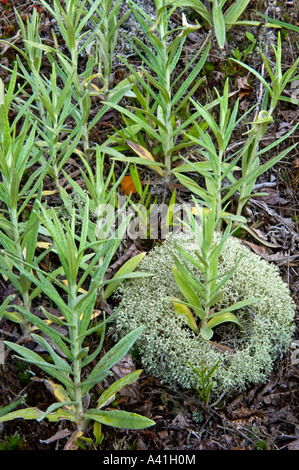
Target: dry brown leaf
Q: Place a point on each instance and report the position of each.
(122, 368)
(263, 252)
(294, 445)
(243, 87)
(128, 185)
(272, 198)
(243, 413)
(71, 443)
(56, 437)
(180, 422)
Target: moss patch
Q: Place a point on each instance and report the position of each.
(166, 345)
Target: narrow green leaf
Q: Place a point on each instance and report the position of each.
(87, 384)
(7, 409)
(33, 358)
(187, 291)
(207, 117)
(54, 407)
(219, 24)
(53, 318)
(60, 363)
(194, 188)
(223, 318)
(236, 306)
(165, 93)
(137, 120)
(57, 337)
(190, 258)
(196, 5)
(119, 419)
(128, 267)
(117, 352)
(283, 24)
(26, 413)
(195, 284)
(116, 386)
(185, 85)
(235, 11)
(138, 161)
(257, 74)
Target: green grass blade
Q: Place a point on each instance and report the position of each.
(235, 11)
(219, 24)
(187, 291)
(223, 318)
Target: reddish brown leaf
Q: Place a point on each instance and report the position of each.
(128, 185)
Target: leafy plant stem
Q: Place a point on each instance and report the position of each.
(26, 325)
(168, 142)
(76, 364)
(250, 160)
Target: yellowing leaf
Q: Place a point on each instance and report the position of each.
(44, 245)
(25, 413)
(95, 75)
(79, 152)
(144, 153)
(82, 291)
(57, 391)
(186, 312)
(97, 432)
(194, 211)
(49, 193)
(95, 314)
(225, 317)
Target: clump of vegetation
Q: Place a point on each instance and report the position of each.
(13, 442)
(168, 343)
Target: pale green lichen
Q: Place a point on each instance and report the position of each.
(166, 345)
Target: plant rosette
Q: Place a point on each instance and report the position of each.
(166, 347)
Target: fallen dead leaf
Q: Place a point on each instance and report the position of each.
(128, 185)
(243, 87)
(180, 422)
(122, 368)
(141, 444)
(260, 236)
(263, 252)
(295, 177)
(163, 434)
(272, 198)
(71, 443)
(56, 437)
(294, 445)
(242, 413)
(283, 128)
